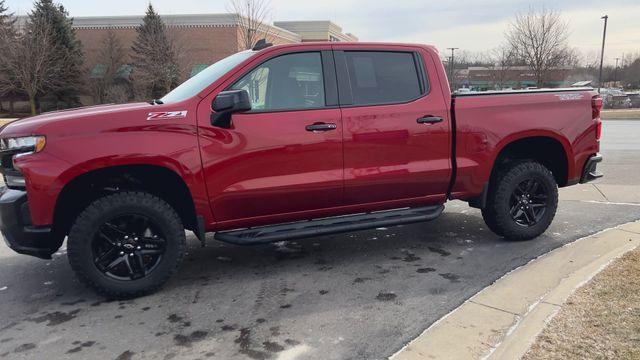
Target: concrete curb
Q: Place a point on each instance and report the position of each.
(503, 320)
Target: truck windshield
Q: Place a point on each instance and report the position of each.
(204, 78)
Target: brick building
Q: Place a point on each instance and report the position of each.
(201, 39)
(516, 77)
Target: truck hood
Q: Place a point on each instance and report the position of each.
(35, 125)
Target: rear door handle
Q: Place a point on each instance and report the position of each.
(430, 120)
(321, 127)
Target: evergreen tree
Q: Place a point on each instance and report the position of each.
(155, 67)
(7, 22)
(55, 17)
(7, 37)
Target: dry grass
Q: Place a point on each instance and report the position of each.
(601, 320)
(4, 121)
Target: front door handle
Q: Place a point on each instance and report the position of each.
(321, 127)
(430, 120)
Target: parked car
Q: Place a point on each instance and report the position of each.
(615, 99)
(634, 97)
(284, 142)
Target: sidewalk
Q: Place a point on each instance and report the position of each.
(620, 114)
(503, 320)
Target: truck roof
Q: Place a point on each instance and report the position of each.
(356, 44)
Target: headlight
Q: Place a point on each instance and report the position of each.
(27, 144)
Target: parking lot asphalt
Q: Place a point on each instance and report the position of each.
(360, 295)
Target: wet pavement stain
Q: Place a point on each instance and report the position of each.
(360, 280)
(271, 346)
(275, 331)
(244, 342)
(291, 342)
(383, 296)
(173, 318)
(24, 347)
(188, 340)
(409, 257)
(227, 327)
(127, 355)
(56, 318)
(284, 291)
(74, 350)
(438, 250)
(76, 302)
(451, 277)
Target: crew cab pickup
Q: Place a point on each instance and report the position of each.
(283, 142)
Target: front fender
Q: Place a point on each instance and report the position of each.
(65, 158)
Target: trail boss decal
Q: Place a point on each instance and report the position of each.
(567, 97)
(164, 115)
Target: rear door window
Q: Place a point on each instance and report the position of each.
(380, 77)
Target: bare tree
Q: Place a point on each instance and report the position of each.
(106, 85)
(32, 64)
(7, 35)
(252, 17)
(540, 39)
(503, 59)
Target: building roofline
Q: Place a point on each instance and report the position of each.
(315, 26)
(173, 20)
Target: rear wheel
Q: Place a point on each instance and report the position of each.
(522, 201)
(127, 244)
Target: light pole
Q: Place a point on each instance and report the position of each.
(615, 72)
(604, 36)
(451, 69)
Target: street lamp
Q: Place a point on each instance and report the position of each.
(451, 69)
(615, 72)
(604, 35)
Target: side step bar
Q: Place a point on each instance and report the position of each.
(325, 226)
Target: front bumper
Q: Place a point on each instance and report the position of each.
(15, 225)
(590, 172)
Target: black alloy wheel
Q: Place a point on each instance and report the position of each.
(127, 244)
(128, 247)
(522, 200)
(528, 202)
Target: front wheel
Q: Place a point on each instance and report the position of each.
(127, 244)
(522, 201)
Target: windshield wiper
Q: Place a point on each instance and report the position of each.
(156, 102)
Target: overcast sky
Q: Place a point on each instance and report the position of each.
(474, 25)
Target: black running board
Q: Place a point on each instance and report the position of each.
(325, 226)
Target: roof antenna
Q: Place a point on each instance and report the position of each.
(261, 44)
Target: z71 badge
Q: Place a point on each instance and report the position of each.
(165, 115)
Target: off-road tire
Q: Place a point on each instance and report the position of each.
(81, 256)
(496, 211)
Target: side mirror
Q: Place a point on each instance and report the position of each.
(227, 103)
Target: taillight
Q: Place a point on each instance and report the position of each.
(596, 106)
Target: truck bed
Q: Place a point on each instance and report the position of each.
(486, 122)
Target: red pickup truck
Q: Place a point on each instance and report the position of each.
(283, 142)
